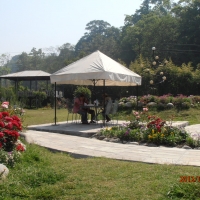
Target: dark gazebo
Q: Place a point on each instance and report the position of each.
(32, 75)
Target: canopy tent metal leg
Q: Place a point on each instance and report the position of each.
(55, 102)
(104, 106)
(137, 97)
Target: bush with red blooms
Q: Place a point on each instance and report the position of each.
(10, 145)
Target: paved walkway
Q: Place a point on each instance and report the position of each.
(75, 139)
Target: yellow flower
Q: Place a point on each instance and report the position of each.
(149, 136)
(154, 135)
(162, 135)
(152, 131)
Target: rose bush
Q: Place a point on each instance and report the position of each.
(10, 145)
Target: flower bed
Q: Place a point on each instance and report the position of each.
(150, 129)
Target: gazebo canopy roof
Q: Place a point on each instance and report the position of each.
(96, 66)
(27, 75)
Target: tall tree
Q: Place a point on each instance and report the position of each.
(151, 31)
(4, 59)
(23, 62)
(37, 57)
(101, 36)
(188, 14)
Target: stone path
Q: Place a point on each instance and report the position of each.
(66, 137)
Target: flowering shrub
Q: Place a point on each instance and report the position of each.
(9, 158)
(165, 99)
(10, 145)
(148, 98)
(179, 102)
(127, 101)
(182, 101)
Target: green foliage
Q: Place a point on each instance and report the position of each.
(9, 158)
(40, 96)
(8, 94)
(82, 90)
(190, 142)
(184, 191)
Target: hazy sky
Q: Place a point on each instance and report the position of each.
(44, 23)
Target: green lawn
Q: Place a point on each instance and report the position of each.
(42, 116)
(42, 174)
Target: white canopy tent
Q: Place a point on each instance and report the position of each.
(96, 66)
(96, 69)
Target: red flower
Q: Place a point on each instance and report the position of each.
(16, 118)
(9, 125)
(6, 132)
(158, 128)
(15, 134)
(11, 133)
(1, 134)
(9, 119)
(2, 125)
(5, 114)
(17, 124)
(20, 147)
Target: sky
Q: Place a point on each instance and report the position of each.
(51, 23)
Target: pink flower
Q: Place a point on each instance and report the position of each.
(136, 113)
(5, 104)
(145, 109)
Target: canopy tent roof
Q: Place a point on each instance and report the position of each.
(96, 66)
(27, 75)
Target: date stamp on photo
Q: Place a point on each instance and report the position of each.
(189, 179)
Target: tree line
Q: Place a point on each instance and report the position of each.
(173, 28)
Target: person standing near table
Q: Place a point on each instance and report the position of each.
(78, 108)
(108, 107)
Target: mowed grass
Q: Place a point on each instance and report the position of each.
(42, 116)
(43, 174)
